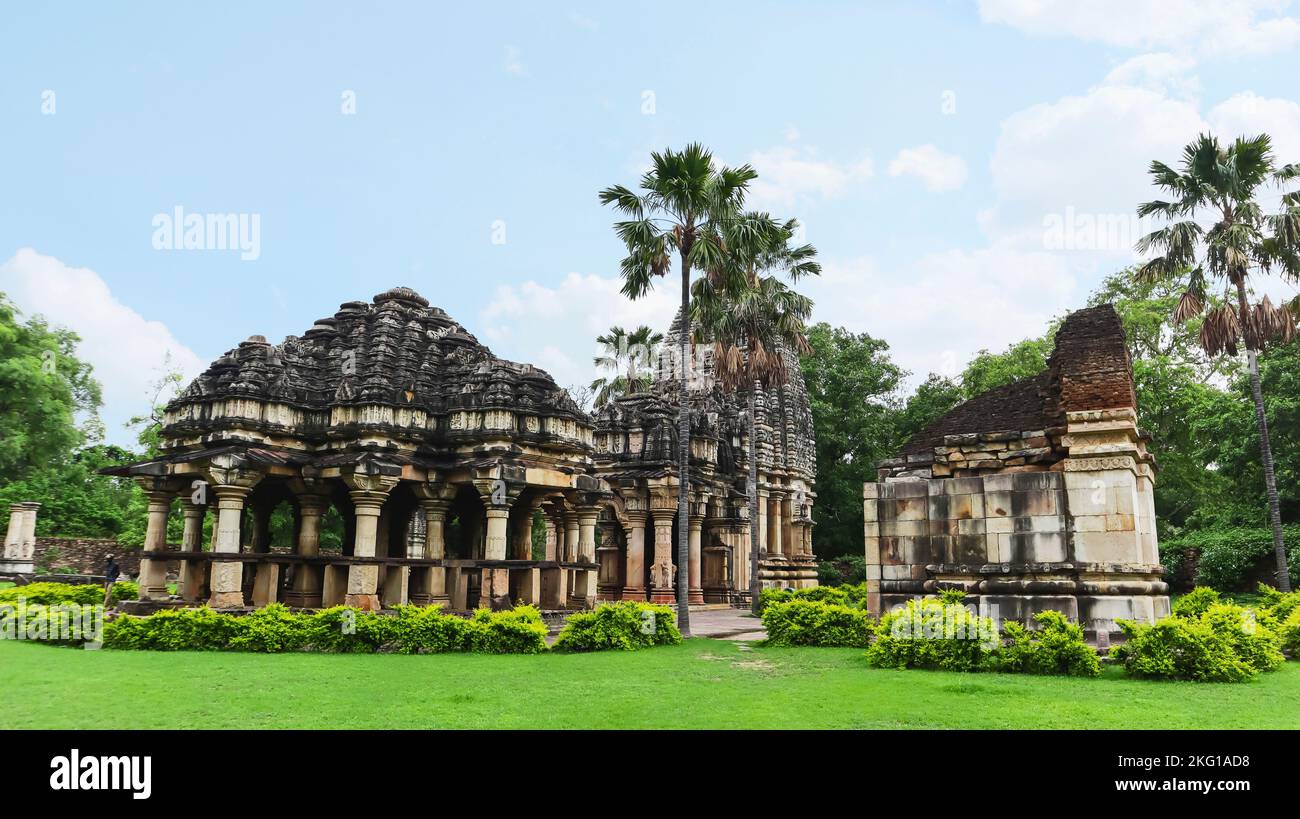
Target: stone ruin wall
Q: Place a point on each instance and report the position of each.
(1056, 512)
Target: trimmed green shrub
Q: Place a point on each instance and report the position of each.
(1196, 602)
(55, 624)
(1179, 648)
(200, 629)
(1253, 641)
(1289, 634)
(816, 623)
(839, 595)
(347, 630)
(623, 626)
(1278, 605)
(49, 593)
(272, 628)
(124, 590)
(46, 594)
(929, 633)
(427, 629)
(515, 631)
(1055, 647)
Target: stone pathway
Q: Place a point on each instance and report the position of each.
(726, 624)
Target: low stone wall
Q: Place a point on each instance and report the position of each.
(85, 555)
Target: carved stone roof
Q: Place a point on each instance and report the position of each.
(394, 362)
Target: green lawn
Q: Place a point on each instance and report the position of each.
(701, 684)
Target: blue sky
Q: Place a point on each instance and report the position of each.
(925, 146)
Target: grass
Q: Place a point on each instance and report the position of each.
(700, 684)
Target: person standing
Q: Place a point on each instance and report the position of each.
(112, 572)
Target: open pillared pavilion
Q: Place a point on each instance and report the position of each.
(431, 456)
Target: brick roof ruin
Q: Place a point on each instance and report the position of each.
(1089, 369)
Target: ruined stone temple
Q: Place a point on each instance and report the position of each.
(407, 464)
(1035, 495)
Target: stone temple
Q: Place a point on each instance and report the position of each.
(411, 463)
(1035, 495)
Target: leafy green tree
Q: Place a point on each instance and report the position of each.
(1233, 443)
(628, 357)
(685, 203)
(43, 389)
(935, 396)
(1221, 184)
(751, 317)
(852, 387)
(1023, 359)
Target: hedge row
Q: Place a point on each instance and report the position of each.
(1209, 640)
(854, 596)
(802, 622)
(624, 626)
(409, 630)
(274, 628)
(47, 594)
(939, 633)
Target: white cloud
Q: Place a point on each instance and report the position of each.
(939, 310)
(514, 63)
(582, 21)
(555, 327)
(1084, 155)
(787, 175)
(1161, 72)
(938, 170)
(128, 352)
(1246, 114)
(1218, 27)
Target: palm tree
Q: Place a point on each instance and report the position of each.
(751, 318)
(627, 356)
(684, 204)
(1223, 184)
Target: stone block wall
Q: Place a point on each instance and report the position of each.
(1036, 495)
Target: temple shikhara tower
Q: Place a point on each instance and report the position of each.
(407, 463)
(1036, 495)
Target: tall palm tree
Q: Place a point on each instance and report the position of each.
(683, 207)
(751, 316)
(1222, 183)
(627, 356)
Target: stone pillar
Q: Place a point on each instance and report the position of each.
(14, 535)
(153, 571)
(363, 578)
(227, 578)
(494, 588)
(789, 543)
(434, 589)
(634, 573)
(571, 535)
(662, 573)
(763, 499)
(305, 589)
(695, 588)
(551, 539)
(190, 587)
(774, 526)
(585, 580)
(28, 548)
(570, 521)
